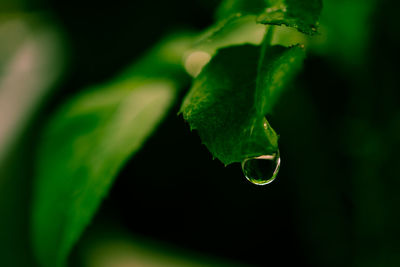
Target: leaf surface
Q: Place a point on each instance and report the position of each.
(228, 101)
(302, 15)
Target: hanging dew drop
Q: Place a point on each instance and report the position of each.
(262, 170)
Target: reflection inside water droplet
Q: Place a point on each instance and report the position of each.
(262, 170)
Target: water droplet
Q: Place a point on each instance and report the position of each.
(262, 170)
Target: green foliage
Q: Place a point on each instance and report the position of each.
(302, 15)
(95, 133)
(328, 129)
(240, 7)
(32, 60)
(88, 141)
(229, 99)
(234, 30)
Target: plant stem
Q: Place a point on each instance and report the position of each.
(266, 42)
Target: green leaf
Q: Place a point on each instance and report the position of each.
(237, 24)
(230, 8)
(302, 15)
(232, 31)
(228, 101)
(32, 62)
(88, 141)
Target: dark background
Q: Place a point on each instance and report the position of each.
(335, 201)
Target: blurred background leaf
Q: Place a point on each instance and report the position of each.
(107, 244)
(92, 136)
(32, 60)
